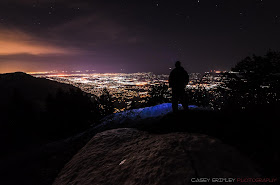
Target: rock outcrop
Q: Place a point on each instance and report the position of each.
(132, 157)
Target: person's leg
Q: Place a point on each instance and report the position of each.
(174, 102)
(183, 99)
(185, 103)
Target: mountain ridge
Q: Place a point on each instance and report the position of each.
(32, 89)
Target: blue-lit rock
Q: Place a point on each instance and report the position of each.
(153, 112)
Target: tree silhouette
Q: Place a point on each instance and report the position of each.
(69, 112)
(105, 103)
(257, 82)
(260, 70)
(158, 94)
(199, 97)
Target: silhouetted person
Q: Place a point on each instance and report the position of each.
(178, 79)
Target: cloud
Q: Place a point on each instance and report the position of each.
(92, 38)
(14, 42)
(33, 1)
(97, 30)
(90, 28)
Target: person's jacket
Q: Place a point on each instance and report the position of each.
(178, 78)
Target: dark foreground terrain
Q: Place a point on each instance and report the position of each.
(197, 138)
(255, 137)
(255, 134)
(129, 156)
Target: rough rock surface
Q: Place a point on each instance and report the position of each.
(132, 157)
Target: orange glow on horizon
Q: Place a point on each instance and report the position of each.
(15, 45)
(16, 42)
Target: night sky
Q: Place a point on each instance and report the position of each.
(134, 35)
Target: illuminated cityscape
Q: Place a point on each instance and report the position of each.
(120, 85)
(126, 88)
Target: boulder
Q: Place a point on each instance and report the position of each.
(131, 157)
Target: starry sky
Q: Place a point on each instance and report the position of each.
(134, 35)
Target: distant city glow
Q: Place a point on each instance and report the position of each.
(134, 88)
(128, 87)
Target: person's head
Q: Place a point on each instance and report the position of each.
(178, 64)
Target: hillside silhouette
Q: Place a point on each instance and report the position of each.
(30, 89)
(36, 112)
(28, 105)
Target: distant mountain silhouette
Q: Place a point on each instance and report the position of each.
(33, 113)
(36, 110)
(32, 90)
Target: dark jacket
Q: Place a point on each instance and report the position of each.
(178, 78)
